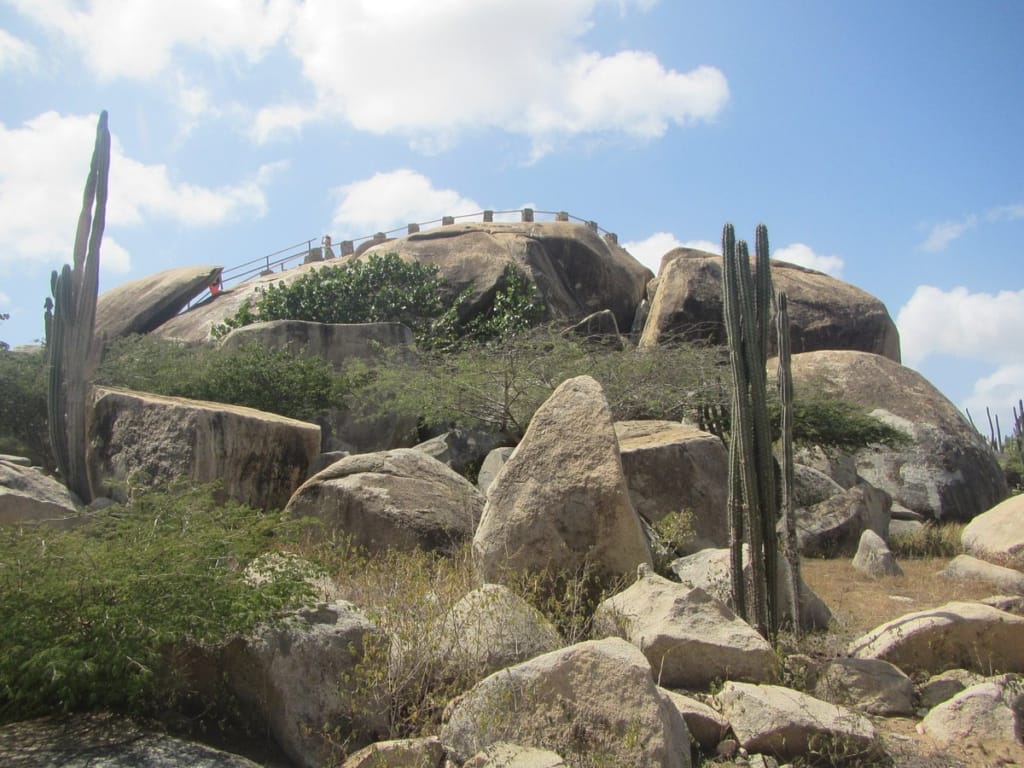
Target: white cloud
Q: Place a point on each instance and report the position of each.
(43, 166)
(1000, 391)
(974, 326)
(16, 53)
(281, 119)
(650, 250)
(5, 300)
(942, 234)
(704, 245)
(804, 256)
(389, 200)
(138, 40)
(1006, 212)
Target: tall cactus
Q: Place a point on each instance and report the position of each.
(70, 347)
(747, 301)
(785, 377)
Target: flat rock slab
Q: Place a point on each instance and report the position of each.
(30, 495)
(956, 635)
(868, 685)
(992, 711)
(788, 724)
(998, 534)
(399, 753)
(966, 568)
(140, 306)
(706, 724)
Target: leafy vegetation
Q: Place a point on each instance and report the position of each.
(87, 616)
(23, 422)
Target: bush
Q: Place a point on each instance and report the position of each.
(87, 616)
(23, 419)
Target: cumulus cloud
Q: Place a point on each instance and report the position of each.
(15, 53)
(974, 326)
(804, 256)
(650, 250)
(389, 200)
(999, 391)
(43, 165)
(942, 234)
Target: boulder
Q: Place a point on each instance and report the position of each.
(601, 328)
(426, 752)
(562, 504)
(672, 467)
(812, 486)
(592, 701)
(958, 634)
(29, 495)
(690, 638)
(140, 306)
(998, 534)
(905, 530)
(462, 449)
(504, 755)
(709, 570)
(577, 273)
(874, 557)
(706, 725)
(967, 568)
(945, 685)
(400, 499)
(492, 464)
(788, 724)
(868, 685)
(299, 680)
(836, 464)
(824, 313)
(834, 526)
(258, 458)
(107, 740)
(986, 713)
(947, 472)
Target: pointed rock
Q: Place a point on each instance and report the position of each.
(875, 558)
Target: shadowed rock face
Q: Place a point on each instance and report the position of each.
(824, 313)
(144, 305)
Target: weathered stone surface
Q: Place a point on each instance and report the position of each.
(945, 685)
(874, 557)
(601, 328)
(29, 495)
(400, 499)
(709, 570)
(493, 463)
(427, 752)
(904, 529)
(824, 313)
(292, 679)
(834, 526)
(104, 741)
(672, 467)
(965, 567)
(560, 503)
(504, 755)
(690, 638)
(576, 271)
(601, 688)
(460, 448)
(812, 486)
(869, 685)
(948, 472)
(706, 725)
(998, 534)
(139, 306)
(986, 713)
(788, 724)
(958, 634)
(258, 458)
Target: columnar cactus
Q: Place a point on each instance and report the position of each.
(785, 377)
(747, 301)
(70, 347)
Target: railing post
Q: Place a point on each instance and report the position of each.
(562, 216)
(592, 226)
(347, 248)
(413, 229)
(447, 221)
(527, 215)
(379, 237)
(488, 217)
(612, 238)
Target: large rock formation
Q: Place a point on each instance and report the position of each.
(998, 534)
(142, 305)
(258, 458)
(948, 472)
(672, 467)
(400, 499)
(561, 501)
(824, 313)
(28, 495)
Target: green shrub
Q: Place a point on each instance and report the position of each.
(87, 616)
(23, 421)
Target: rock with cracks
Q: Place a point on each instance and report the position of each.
(958, 634)
(561, 503)
(690, 638)
(592, 701)
(869, 685)
(874, 558)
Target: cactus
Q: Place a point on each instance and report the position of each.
(747, 301)
(70, 347)
(785, 377)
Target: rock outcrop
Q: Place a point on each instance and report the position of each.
(690, 638)
(600, 688)
(868, 685)
(29, 495)
(824, 313)
(400, 499)
(986, 713)
(672, 467)
(562, 504)
(874, 558)
(140, 306)
(834, 526)
(997, 535)
(948, 472)
(968, 568)
(258, 458)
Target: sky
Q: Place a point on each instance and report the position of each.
(880, 141)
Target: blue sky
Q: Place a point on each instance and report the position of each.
(880, 141)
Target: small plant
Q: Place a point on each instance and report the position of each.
(671, 537)
(930, 540)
